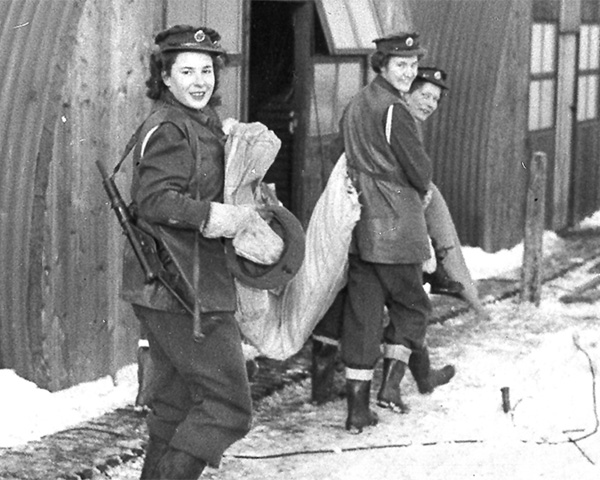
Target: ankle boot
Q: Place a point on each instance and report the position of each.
(155, 450)
(179, 465)
(359, 414)
(324, 357)
(426, 377)
(441, 283)
(389, 393)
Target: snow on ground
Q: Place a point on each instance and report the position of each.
(27, 412)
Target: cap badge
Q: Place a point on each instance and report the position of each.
(437, 75)
(199, 36)
(409, 42)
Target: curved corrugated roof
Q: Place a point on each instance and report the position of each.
(37, 37)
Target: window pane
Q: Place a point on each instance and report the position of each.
(594, 46)
(547, 104)
(549, 44)
(582, 95)
(364, 22)
(350, 82)
(536, 48)
(350, 25)
(584, 47)
(592, 98)
(324, 101)
(534, 105)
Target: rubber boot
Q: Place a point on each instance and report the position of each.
(427, 378)
(179, 465)
(324, 357)
(389, 393)
(359, 414)
(441, 283)
(155, 450)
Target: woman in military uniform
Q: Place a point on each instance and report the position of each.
(201, 402)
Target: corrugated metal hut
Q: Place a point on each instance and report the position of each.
(524, 78)
(71, 92)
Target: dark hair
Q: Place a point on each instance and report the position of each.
(419, 82)
(379, 60)
(163, 62)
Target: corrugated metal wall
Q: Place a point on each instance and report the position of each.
(72, 93)
(477, 136)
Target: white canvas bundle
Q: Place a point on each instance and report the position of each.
(279, 323)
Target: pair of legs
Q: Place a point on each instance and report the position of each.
(370, 288)
(201, 396)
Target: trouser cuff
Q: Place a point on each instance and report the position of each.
(362, 374)
(397, 352)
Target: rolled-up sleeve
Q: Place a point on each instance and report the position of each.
(165, 171)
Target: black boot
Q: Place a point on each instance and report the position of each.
(180, 465)
(324, 357)
(389, 394)
(441, 283)
(426, 377)
(359, 414)
(155, 450)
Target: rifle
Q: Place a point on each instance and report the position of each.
(143, 244)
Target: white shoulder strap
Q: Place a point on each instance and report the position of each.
(388, 123)
(147, 137)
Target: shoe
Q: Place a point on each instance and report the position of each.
(389, 395)
(323, 368)
(359, 414)
(427, 378)
(179, 465)
(155, 450)
(441, 283)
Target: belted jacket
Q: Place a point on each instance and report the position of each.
(179, 168)
(391, 173)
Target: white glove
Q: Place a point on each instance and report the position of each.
(252, 237)
(227, 220)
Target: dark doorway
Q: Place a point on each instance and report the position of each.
(271, 91)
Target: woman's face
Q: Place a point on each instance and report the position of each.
(192, 79)
(400, 72)
(423, 101)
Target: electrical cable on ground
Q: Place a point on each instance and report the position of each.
(459, 441)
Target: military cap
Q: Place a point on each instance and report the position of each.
(433, 75)
(181, 38)
(267, 277)
(401, 45)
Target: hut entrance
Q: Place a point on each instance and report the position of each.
(273, 84)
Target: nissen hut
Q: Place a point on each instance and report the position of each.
(523, 77)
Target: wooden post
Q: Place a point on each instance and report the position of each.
(531, 272)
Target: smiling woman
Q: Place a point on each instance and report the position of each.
(192, 79)
(200, 397)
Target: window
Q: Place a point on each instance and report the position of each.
(350, 26)
(542, 85)
(589, 72)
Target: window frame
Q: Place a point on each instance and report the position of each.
(588, 69)
(543, 72)
(337, 21)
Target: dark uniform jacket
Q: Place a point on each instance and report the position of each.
(180, 172)
(391, 177)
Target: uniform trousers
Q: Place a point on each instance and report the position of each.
(371, 287)
(201, 403)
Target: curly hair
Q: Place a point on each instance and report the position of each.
(163, 62)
